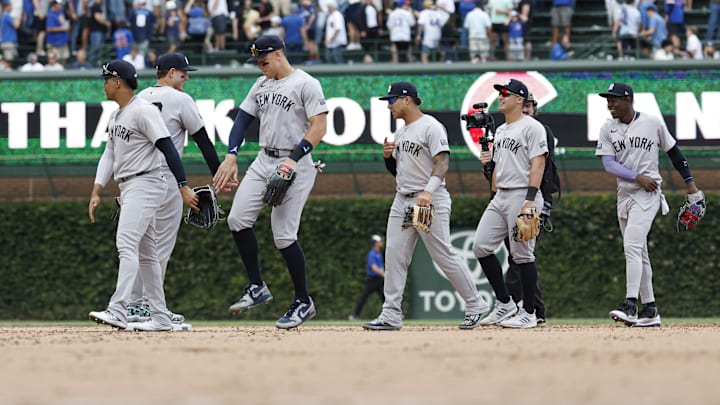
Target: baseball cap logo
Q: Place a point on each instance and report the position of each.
(106, 71)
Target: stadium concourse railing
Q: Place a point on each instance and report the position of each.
(355, 159)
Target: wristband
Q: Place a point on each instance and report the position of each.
(302, 149)
(182, 184)
(531, 193)
(433, 184)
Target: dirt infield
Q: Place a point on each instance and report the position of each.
(555, 364)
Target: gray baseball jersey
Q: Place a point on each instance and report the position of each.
(416, 145)
(636, 146)
(132, 133)
(284, 107)
(514, 145)
(178, 110)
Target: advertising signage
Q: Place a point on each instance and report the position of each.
(38, 120)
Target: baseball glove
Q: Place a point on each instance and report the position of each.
(527, 225)
(691, 212)
(278, 184)
(209, 213)
(419, 217)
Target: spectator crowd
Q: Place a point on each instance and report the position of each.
(80, 34)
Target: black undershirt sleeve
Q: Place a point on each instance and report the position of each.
(173, 159)
(202, 140)
(680, 163)
(391, 165)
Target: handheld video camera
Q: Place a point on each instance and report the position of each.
(480, 122)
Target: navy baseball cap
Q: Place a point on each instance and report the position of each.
(263, 46)
(400, 89)
(515, 87)
(376, 238)
(120, 69)
(173, 60)
(618, 90)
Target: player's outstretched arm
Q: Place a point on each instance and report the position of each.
(172, 157)
(227, 171)
(202, 140)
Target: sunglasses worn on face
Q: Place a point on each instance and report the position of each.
(507, 93)
(392, 100)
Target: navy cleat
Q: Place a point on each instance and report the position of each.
(298, 313)
(254, 295)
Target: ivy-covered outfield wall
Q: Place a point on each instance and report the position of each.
(58, 266)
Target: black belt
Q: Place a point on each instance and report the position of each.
(410, 195)
(124, 179)
(511, 188)
(277, 153)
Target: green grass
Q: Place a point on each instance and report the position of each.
(437, 322)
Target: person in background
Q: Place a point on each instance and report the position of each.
(478, 26)
(173, 23)
(81, 62)
(97, 26)
(292, 25)
(399, 23)
(309, 29)
(8, 33)
(142, 23)
(516, 34)
(32, 64)
(562, 49)
(693, 46)
(675, 18)
(335, 34)
(375, 276)
(709, 51)
(218, 10)
(123, 40)
(57, 27)
(135, 58)
(53, 64)
(713, 25)
(666, 51)
(655, 31)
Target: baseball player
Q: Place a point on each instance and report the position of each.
(375, 276)
(419, 158)
(140, 146)
(180, 114)
(520, 149)
(513, 277)
(628, 145)
(293, 118)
